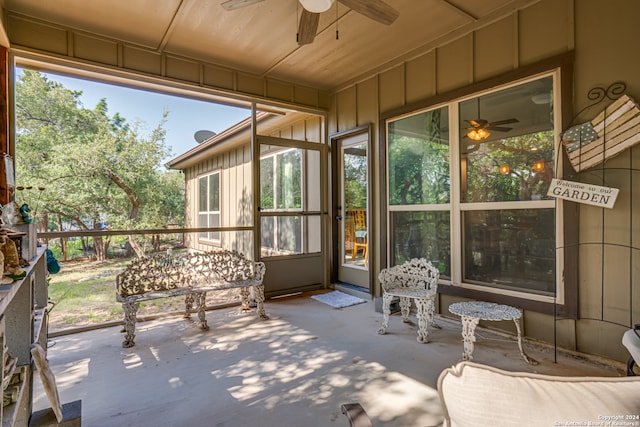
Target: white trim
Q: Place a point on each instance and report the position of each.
(509, 292)
(557, 118)
(493, 206)
(455, 224)
(419, 208)
(207, 175)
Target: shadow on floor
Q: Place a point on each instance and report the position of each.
(294, 369)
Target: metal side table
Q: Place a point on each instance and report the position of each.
(471, 312)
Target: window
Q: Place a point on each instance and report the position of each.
(419, 188)
(209, 206)
(280, 192)
(473, 200)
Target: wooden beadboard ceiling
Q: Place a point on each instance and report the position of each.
(261, 38)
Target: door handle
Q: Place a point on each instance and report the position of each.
(338, 217)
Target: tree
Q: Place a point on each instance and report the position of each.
(94, 171)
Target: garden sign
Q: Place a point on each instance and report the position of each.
(589, 194)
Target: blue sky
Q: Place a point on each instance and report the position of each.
(186, 116)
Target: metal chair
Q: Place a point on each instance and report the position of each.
(416, 279)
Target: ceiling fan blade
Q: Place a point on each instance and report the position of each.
(504, 122)
(477, 123)
(377, 10)
(499, 129)
(237, 4)
(308, 27)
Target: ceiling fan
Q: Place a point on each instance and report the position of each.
(377, 10)
(480, 128)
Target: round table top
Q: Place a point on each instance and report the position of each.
(485, 310)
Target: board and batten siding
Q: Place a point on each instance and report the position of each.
(601, 41)
(236, 183)
(236, 199)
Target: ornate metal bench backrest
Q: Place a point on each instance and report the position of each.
(418, 274)
(165, 272)
(224, 266)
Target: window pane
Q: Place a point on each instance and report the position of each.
(510, 249)
(267, 236)
(513, 159)
(422, 235)
(202, 223)
(314, 228)
(267, 183)
(289, 180)
(355, 177)
(289, 234)
(214, 192)
(202, 194)
(214, 221)
(313, 172)
(419, 159)
(281, 235)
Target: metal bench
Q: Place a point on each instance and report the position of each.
(416, 279)
(191, 275)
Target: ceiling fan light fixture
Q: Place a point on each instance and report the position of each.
(478, 134)
(317, 6)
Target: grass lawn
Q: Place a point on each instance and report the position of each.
(83, 294)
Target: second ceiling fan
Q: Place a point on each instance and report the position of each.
(377, 10)
(479, 129)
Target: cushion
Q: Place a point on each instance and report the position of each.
(477, 395)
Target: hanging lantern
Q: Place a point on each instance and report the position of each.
(538, 166)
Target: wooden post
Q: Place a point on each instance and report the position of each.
(4, 123)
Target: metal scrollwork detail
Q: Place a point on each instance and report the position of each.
(598, 94)
(190, 275)
(416, 279)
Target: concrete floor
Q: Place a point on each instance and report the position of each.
(295, 369)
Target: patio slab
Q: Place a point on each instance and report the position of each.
(295, 369)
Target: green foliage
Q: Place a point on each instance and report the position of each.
(289, 179)
(281, 180)
(83, 294)
(355, 178)
(88, 169)
(520, 153)
(419, 160)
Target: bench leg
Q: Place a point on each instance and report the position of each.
(386, 311)
(468, 335)
(201, 304)
(259, 295)
(130, 310)
(431, 313)
(244, 298)
(405, 307)
(188, 306)
(424, 319)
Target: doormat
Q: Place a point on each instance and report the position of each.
(338, 299)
